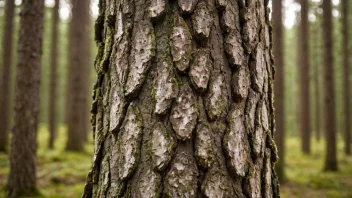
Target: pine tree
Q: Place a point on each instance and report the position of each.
(183, 103)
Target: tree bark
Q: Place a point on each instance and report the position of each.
(346, 84)
(77, 115)
(279, 85)
(183, 103)
(329, 93)
(22, 178)
(304, 73)
(5, 84)
(53, 75)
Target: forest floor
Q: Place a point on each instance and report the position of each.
(63, 174)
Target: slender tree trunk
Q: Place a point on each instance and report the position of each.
(329, 94)
(183, 103)
(304, 73)
(346, 84)
(279, 84)
(22, 178)
(77, 120)
(53, 75)
(317, 84)
(5, 84)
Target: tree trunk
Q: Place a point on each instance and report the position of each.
(279, 85)
(22, 178)
(5, 84)
(183, 103)
(329, 93)
(345, 42)
(77, 119)
(304, 73)
(316, 82)
(53, 75)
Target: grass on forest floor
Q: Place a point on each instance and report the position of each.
(59, 173)
(63, 174)
(305, 176)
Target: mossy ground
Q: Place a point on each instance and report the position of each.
(63, 174)
(305, 176)
(59, 173)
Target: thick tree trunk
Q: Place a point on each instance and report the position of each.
(279, 84)
(183, 103)
(22, 179)
(329, 93)
(304, 73)
(5, 84)
(77, 115)
(346, 84)
(53, 75)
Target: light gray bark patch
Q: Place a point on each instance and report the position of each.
(200, 69)
(268, 191)
(125, 152)
(257, 68)
(240, 84)
(233, 40)
(202, 21)
(255, 180)
(217, 184)
(104, 179)
(185, 113)
(165, 88)
(203, 145)
(156, 9)
(148, 185)
(251, 106)
(234, 50)
(265, 116)
(122, 40)
(129, 140)
(143, 50)
(181, 180)
(117, 108)
(221, 4)
(181, 44)
(117, 186)
(187, 6)
(259, 132)
(251, 26)
(161, 147)
(216, 98)
(236, 143)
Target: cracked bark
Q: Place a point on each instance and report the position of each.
(203, 121)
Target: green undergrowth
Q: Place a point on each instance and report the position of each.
(59, 173)
(305, 176)
(63, 174)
